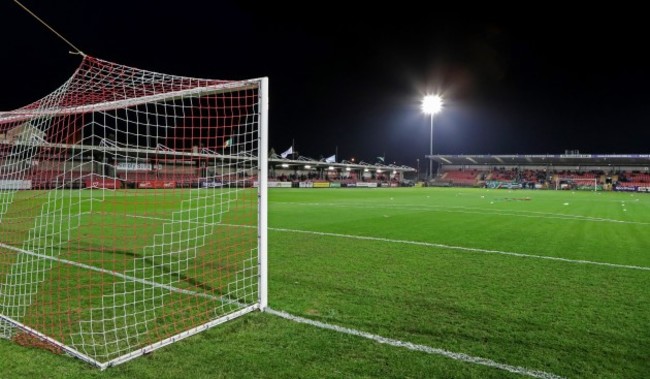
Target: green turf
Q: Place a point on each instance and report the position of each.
(430, 266)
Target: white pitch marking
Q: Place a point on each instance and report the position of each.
(431, 244)
(462, 248)
(496, 212)
(423, 348)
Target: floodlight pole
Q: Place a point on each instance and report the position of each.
(431, 104)
(431, 150)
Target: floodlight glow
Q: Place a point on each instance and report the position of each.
(379, 171)
(307, 166)
(284, 165)
(347, 169)
(365, 170)
(431, 104)
(330, 168)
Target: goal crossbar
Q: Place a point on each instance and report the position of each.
(23, 114)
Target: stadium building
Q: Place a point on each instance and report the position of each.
(613, 172)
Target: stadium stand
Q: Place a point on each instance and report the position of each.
(629, 172)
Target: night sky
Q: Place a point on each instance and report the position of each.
(515, 80)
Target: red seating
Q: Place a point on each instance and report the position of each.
(461, 177)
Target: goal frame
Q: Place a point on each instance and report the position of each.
(261, 84)
(593, 182)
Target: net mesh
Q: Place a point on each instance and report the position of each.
(128, 208)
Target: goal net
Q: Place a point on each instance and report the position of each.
(132, 211)
(582, 184)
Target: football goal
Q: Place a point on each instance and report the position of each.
(584, 184)
(132, 211)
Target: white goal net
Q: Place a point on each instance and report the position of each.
(132, 211)
(575, 183)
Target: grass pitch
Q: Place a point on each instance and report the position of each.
(548, 281)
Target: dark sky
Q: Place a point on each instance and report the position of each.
(350, 78)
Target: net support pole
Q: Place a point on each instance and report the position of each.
(263, 193)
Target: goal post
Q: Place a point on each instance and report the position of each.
(586, 184)
(133, 211)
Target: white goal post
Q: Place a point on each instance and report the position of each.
(133, 211)
(576, 183)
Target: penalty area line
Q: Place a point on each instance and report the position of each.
(415, 347)
(462, 248)
(426, 244)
